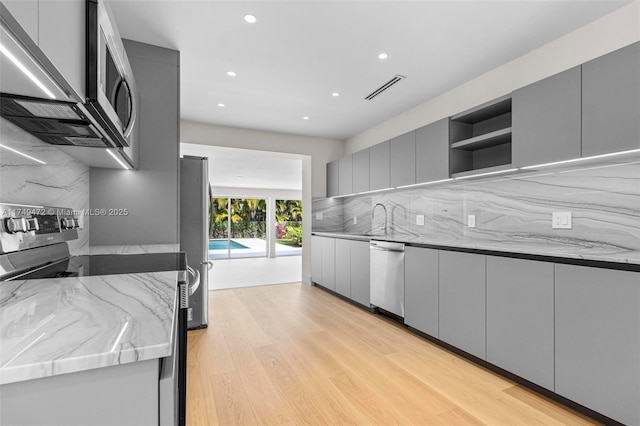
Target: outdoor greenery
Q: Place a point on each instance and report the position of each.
(248, 219)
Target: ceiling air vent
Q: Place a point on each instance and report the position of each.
(385, 86)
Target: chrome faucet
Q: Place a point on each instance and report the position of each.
(373, 210)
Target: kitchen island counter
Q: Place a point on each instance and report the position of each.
(63, 325)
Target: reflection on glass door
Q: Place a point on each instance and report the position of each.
(288, 227)
(238, 228)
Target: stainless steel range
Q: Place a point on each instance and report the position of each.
(33, 245)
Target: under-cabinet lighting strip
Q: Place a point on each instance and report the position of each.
(115, 157)
(575, 160)
(23, 154)
(413, 185)
(25, 71)
(487, 174)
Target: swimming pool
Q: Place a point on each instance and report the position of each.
(224, 244)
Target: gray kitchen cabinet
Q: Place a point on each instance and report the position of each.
(26, 13)
(432, 152)
(597, 339)
(343, 267)
(611, 102)
(461, 301)
(345, 175)
(62, 37)
(421, 289)
(361, 171)
(329, 263)
(520, 314)
(360, 272)
(379, 166)
(151, 193)
(316, 259)
(402, 154)
(546, 120)
(333, 173)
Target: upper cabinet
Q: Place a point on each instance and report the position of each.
(402, 151)
(379, 166)
(432, 152)
(333, 172)
(546, 120)
(361, 171)
(345, 176)
(26, 13)
(611, 102)
(481, 137)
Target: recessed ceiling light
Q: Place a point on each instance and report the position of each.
(222, 105)
(383, 56)
(305, 118)
(250, 18)
(231, 74)
(335, 94)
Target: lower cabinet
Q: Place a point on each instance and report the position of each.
(328, 263)
(343, 267)
(316, 259)
(360, 272)
(597, 343)
(462, 316)
(520, 335)
(421, 289)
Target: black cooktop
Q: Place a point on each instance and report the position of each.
(110, 264)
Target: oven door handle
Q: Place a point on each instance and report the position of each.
(194, 283)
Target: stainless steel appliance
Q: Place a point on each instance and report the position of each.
(194, 230)
(387, 276)
(33, 246)
(105, 119)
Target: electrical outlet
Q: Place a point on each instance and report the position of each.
(561, 220)
(420, 219)
(471, 221)
(355, 220)
(319, 216)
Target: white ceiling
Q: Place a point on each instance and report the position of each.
(299, 52)
(242, 168)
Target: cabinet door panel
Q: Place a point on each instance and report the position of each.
(432, 151)
(379, 166)
(333, 173)
(62, 33)
(329, 263)
(611, 102)
(360, 272)
(547, 120)
(26, 13)
(402, 151)
(343, 267)
(462, 301)
(597, 350)
(345, 179)
(316, 259)
(421, 289)
(520, 318)
(361, 171)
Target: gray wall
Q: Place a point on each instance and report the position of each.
(151, 192)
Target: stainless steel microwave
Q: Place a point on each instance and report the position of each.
(111, 89)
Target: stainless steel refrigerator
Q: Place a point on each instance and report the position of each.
(194, 232)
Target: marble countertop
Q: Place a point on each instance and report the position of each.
(543, 248)
(64, 325)
(130, 249)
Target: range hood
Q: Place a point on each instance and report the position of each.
(36, 97)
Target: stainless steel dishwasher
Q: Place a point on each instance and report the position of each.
(387, 276)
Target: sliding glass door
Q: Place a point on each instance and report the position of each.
(288, 227)
(238, 228)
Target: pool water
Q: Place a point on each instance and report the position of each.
(224, 244)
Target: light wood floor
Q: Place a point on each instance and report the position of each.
(294, 354)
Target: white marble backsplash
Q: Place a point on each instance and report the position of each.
(327, 214)
(514, 212)
(61, 182)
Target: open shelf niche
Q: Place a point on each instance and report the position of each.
(481, 137)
